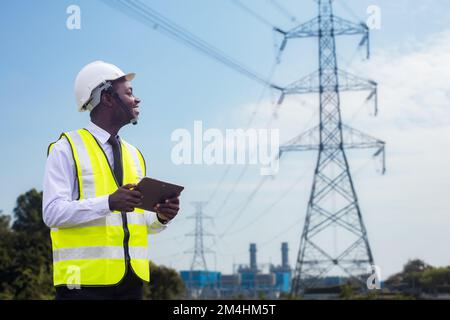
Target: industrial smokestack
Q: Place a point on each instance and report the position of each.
(253, 257)
(284, 256)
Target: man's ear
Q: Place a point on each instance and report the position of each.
(107, 99)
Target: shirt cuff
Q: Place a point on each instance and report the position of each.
(153, 224)
(101, 205)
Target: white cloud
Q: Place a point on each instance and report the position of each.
(414, 120)
(414, 87)
(407, 211)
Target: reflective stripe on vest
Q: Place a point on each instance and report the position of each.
(98, 253)
(92, 253)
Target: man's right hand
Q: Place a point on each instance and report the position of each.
(125, 199)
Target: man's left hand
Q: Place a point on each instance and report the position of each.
(167, 210)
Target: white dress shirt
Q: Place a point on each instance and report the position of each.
(59, 204)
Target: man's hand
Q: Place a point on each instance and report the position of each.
(167, 210)
(125, 199)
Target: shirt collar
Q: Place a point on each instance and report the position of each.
(100, 134)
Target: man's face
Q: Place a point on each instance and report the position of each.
(125, 92)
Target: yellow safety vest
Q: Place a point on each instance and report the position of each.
(94, 253)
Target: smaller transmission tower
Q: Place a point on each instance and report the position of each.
(198, 260)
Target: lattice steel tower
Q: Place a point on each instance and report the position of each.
(198, 260)
(334, 238)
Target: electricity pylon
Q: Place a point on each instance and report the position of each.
(198, 260)
(334, 236)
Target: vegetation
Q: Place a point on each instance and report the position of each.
(26, 265)
(418, 278)
(25, 252)
(26, 257)
(165, 284)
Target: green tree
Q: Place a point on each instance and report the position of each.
(435, 280)
(418, 277)
(6, 258)
(415, 265)
(28, 214)
(26, 255)
(346, 292)
(165, 283)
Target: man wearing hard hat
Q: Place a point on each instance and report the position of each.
(99, 236)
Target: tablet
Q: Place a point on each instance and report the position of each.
(156, 191)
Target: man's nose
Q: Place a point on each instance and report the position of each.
(137, 100)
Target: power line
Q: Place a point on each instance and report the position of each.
(348, 9)
(268, 209)
(283, 232)
(230, 192)
(219, 184)
(254, 192)
(255, 15)
(270, 241)
(239, 253)
(160, 23)
(252, 117)
(283, 10)
(157, 21)
(357, 112)
(142, 12)
(252, 195)
(241, 175)
(249, 199)
(308, 123)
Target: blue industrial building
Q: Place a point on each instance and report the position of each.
(200, 279)
(248, 280)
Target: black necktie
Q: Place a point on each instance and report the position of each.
(118, 173)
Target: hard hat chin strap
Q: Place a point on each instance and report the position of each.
(125, 108)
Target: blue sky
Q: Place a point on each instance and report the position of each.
(178, 85)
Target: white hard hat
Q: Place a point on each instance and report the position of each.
(92, 80)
